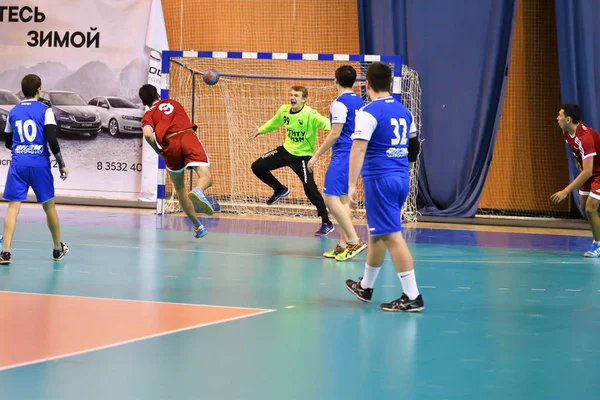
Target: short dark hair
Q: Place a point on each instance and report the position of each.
(573, 111)
(30, 85)
(345, 76)
(301, 89)
(148, 94)
(379, 76)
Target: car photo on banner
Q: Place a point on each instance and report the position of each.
(118, 115)
(73, 115)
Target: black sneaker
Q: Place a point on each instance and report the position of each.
(5, 257)
(58, 255)
(404, 304)
(362, 294)
(278, 196)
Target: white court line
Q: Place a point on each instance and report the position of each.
(274, 255)
(76, 353)
(572, 290)
(133, 300)
(24, 249)
(538, 290)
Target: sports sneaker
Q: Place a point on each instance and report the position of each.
(198, 197)
(278, 196)
(213, 203)
(5, 257)
(333, 253)
(325, 229)
(355, 288)
(351, 250)
(200, 232)
(594, 250)
(404, 304)
(58, 255)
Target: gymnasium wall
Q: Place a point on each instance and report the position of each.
(529, 162)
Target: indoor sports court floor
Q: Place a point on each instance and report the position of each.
(141, 310)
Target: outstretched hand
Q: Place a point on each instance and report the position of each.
(255, 134)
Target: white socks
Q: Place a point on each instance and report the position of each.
(409, 284)
(407, 279)
(370, 275)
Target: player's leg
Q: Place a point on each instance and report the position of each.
(15, 192)
(335, 192)
(363, 288)
(298, 165)
(42, 183)
(384, 198)
(195, 157)
(591, 209)
(198, 195)
(262, 168)
(178, 179)
(584, 193)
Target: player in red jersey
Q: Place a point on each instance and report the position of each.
(584, 143)
(168, 129)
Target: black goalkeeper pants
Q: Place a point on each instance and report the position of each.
(279, 158)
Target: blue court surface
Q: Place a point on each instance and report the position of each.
(507, 315)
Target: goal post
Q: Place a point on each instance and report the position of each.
(252, 86)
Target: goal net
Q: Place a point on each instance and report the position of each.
(252, 86)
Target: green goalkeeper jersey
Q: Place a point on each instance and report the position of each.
(301, 128)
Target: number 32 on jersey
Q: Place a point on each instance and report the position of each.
(399, 137)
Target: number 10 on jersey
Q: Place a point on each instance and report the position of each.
(27, 129)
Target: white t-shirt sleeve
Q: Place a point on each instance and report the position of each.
(49, 118)
(339, 112)
(8, 128)
(365, 125)
(413, 127)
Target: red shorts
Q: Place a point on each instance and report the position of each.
(184, 150)
(591, 187)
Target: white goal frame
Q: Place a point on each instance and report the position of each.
(164, 93)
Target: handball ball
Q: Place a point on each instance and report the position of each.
(211, 76)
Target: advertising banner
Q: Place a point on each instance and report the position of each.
(92, 57)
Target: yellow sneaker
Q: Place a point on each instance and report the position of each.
(333, 253)
(351, 250)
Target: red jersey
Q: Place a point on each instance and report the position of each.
(585, 143)
(167, 116)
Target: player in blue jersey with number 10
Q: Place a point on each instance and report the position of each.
(30, 128)
(385, 143)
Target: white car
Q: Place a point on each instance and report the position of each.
(118, 114)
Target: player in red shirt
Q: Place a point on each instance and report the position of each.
(584, 143)
(168, 129)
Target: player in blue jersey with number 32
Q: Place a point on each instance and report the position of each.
(30, 128)
(385, 143)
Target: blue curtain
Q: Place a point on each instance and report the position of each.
(461, 54)
(578, 34)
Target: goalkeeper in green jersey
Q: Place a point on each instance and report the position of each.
(301, 124)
